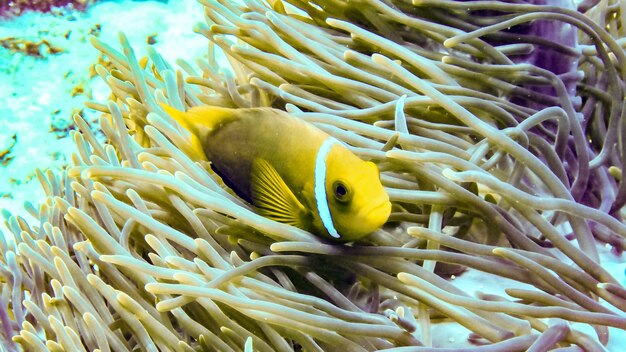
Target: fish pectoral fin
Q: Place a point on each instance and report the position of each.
(273, 198)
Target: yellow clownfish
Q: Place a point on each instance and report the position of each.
(290, 170)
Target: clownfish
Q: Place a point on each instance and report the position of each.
(289, 170)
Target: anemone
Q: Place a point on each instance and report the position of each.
(498, 128)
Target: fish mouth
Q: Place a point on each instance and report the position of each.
(367, 220)
(379, 214)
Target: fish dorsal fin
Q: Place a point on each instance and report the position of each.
(273, 198)
(210, 117)
(201, 119)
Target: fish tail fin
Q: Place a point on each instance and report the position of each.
(194, 149)
(200, 121)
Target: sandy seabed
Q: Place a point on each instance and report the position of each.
(40, 93)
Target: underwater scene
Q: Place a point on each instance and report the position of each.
(312, 175)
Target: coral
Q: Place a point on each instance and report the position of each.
(60, 125)
(7, 141)
(140, 247)
(16, 7)
(37, 47)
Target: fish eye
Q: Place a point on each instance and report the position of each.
(342, 191)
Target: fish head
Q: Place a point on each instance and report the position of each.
(357, 200)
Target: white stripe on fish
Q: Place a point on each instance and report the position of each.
(320, 187)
